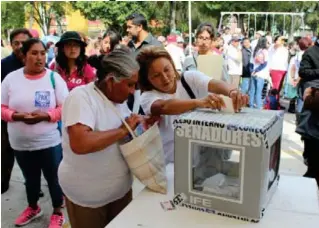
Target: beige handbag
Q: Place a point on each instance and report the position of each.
(144, 155)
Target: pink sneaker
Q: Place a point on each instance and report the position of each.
(56, 221)
(28, 215)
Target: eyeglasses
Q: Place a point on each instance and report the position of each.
(200, 38)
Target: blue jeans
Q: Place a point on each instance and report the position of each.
(299, 105)
(31, 163)
(255, 92)
(244, 87)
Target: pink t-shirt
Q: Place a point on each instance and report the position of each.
(74, 79)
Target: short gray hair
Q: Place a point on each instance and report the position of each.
(119, 64)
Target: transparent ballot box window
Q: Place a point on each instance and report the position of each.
(216, 170)
(274, 162)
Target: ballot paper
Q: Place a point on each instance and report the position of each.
(229, 106)
(211, 65)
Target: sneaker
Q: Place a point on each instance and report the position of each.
(57, 221)
(28, 215)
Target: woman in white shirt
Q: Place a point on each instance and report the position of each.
(260, 73)
(31, 100)
(165, 95)
(93, 174)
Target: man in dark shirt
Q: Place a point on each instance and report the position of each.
(246, 50)
(136, 27)
(11, 63)
(15, 60)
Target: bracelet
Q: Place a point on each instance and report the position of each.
(232, 90)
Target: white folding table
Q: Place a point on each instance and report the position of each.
(294, 205)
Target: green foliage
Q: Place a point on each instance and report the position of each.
(113, 14)
(12, 16)
(44, 12)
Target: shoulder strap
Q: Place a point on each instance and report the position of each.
(187, 88)
(195, 61)
(52, 79)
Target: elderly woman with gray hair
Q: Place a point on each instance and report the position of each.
(93, 174)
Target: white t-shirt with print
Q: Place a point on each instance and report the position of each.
(198, 82)
(27, 95)
(96, 179)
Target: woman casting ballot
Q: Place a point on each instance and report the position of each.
(165, 95)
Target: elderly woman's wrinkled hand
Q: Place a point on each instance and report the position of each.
(239, 100)
(132, 121)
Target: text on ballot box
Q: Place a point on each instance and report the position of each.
(228, 163)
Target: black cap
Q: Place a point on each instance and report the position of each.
(70, 36)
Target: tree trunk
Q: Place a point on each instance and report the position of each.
(172, 23)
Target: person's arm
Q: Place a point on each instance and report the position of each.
(6, 113)
(220, 87)
(307, 70)
(83, 140)
(79, 119)
(173, 106)
(260, 67)
(176, 106)
(156, 104)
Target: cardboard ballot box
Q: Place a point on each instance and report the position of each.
(228, 164)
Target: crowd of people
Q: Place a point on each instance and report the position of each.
(55, 119)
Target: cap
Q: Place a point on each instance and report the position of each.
(262, 33)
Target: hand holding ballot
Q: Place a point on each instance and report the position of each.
(239, 100)
(212, 101)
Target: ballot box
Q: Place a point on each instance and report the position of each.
(228, 164)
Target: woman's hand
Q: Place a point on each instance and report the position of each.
(36, 117)
(19, 116)
(239, 100)
(308, 92)
(149, 121)
(132, 121)
(212, 101)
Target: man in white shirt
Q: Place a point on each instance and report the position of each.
(227, 36)
(235, 61)
(175, 52)
(278, 63)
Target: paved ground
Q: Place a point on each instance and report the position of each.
(14, 201)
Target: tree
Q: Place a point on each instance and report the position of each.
(113, 14)
(44, 12)
(172, 22)
(12, 16)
